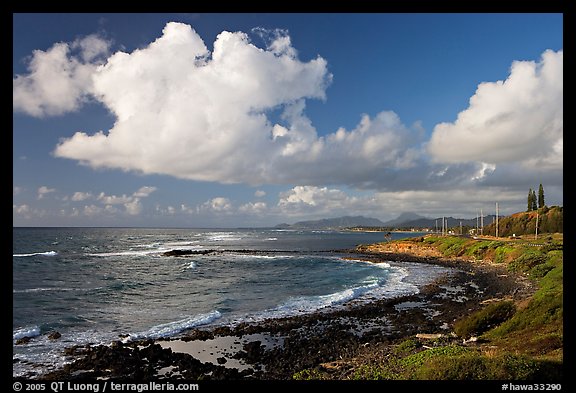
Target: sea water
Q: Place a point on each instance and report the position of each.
(97, 285)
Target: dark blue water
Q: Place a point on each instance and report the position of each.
(94, 285)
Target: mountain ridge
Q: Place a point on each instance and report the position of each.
(404, 220)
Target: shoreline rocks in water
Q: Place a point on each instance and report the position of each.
(321, 339)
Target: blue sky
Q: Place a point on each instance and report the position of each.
(226, 120)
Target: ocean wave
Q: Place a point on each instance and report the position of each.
(32, 290)
(309, 304)
(127, 253)
(52, 289)
(191, 265)
(45, 253)
(29, 331)
(223, 236)
(381, 265)
(371, 287)
(173, 328)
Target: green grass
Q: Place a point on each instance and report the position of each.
(484, 319)
(519, 341)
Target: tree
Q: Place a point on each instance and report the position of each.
(529, 200)
(541, 202)
(534, 200)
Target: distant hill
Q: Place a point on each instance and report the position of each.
(550, 220)
(451, 222)
(403, 218)
(413, 220)
(334, 223)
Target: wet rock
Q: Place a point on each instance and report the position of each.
(54, 335)
(23, 340)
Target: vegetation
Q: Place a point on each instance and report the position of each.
(485, 319)
(515, 341)
(541, 202)
(534, 203)
(549, 220)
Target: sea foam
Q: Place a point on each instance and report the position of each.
(45, 253)
(173, 328)
(28, 331)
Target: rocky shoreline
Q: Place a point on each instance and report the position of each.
(335, 341)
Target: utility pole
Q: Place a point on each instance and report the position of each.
(536, 238)
(496, 219)
(481, 223)
(476, 223)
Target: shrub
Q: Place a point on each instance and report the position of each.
(308, 374)
(527, 261)
(485, 319)
(473, 366)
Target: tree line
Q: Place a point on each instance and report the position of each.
(535, 203)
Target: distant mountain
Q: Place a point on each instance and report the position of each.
(413, 220)
(403, 221)
(451, 222)
(403, 218)
(334, 223)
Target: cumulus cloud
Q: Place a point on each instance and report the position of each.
(519, 119)
(23, 209)
(143, 192)
(317, 200)
(189, 113)
(59, 79)
(43, 190)
(218, 204)
(237, 114)
(193, 114)
(79, 196)
(112, 204)
(253, 208)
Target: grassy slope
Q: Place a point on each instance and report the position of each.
(514, 341)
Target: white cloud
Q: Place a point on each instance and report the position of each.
(519, 119)
(218, 205)
(113, 199)
(253, 208)
(318, 200)
(187, 209)
(23, 209)
(79, 196)
(132, 204)
(183, 113)
(145, 191)
(134, 207)
(16, 190)
(43, 190)
(92, 210)
(186, 112)
(58, 81)
(192, 114)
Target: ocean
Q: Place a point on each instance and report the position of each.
(97, 285)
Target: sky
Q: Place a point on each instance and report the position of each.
(255, 119)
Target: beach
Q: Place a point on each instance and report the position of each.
(335, 342)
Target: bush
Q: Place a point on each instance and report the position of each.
(308, 374)
(485, 319)
(527, 261)
(473, 366)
